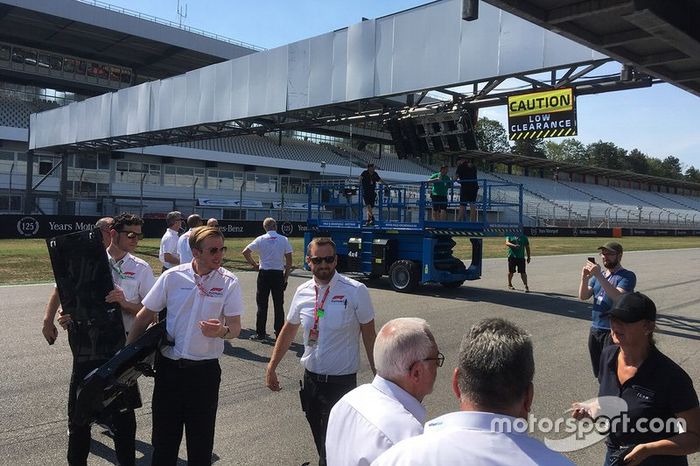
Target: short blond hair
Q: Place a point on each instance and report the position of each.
(199, 234)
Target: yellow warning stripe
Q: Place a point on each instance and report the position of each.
(549, 133)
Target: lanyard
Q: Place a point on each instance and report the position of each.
(117, 267)
(318, 309)
(200, 284)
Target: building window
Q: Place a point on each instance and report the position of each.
(10, 203)
(183, 176)
(133, 172)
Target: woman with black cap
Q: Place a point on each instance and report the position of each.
(655, 391)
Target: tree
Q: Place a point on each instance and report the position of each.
(569, 150)
(672, 167)
(606, 155)
(491, 136)
(638, 162)
(530, 148)
(692, 174)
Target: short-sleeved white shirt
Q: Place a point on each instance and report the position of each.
(369, 420)
(469, 437)
(135, 277)
(168, 243)
(183, 247)
(337, 351)
(271, 247)
(190, 299)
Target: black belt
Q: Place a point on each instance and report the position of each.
(186, 363)
(346, 379)
(271, 270)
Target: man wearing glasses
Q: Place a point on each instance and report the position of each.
(204, 309)
(493, 383)
(373, 417)
(606, 286)
(334, 312)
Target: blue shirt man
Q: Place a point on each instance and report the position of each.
(605, 287)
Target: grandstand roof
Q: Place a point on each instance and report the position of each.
(151, 47)
(660, 38)
(534, 162)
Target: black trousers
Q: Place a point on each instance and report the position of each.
(269, 281)
(123, 423)
(185, 395)
(598, 339)
(319, 395)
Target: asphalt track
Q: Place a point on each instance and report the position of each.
(256, 426)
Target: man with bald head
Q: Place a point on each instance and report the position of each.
(373, 417)
(212, 222)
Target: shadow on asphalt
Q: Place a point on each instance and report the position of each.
(230, 348)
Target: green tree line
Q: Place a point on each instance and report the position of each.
(491, 136)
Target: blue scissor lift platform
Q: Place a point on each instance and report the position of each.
(404, 242)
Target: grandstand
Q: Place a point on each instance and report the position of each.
(248, 176)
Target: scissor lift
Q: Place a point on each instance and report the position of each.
(404, 243)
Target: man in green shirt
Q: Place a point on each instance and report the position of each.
(517, 246)
(441, 184)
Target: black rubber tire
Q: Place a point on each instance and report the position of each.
(404, 275)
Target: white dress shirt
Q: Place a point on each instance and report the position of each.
(271, 247)
(168, 243)
(135, 278)
(191, 298)
(183, 247)
(337, 351)
(369, 420)
(470, 438)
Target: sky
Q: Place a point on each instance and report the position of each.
(659, 121)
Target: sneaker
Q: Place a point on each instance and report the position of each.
(510, 287)
(257, 337)
(527, 290)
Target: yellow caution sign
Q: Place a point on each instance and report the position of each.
(545, 114)
(559, 100)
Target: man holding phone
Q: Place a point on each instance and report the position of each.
(605, 286)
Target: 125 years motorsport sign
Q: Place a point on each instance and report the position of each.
(545, 114)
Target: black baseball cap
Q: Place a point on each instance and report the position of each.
(633, 307)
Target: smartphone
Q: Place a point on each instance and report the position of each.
(591, 259)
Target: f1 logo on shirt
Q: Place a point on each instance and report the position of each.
(339, 298)
(216, 292)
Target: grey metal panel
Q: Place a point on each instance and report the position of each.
(78, 121)
(268, 82)
(298, 80)
(384, 63)
(139, 109)
(361, 61)
(98, 115)
(426, 46)
(478, 46)
(200, 105)
(321, 69)
(222, 87)
(239, 87)
(118, 112)
(339, 66)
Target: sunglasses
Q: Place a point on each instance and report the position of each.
(132, 234)
(439, 360)
(317, 260)
(213, 251)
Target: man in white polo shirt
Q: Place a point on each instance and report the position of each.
(493, 383)
(184, 251)
(373, 417)
(167, 254)
(334, 312)
(204, 309)
(274, 265)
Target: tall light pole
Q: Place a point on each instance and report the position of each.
(143, 178)
(80, 190)
(9, 203)
(194, 193)
(240, 201)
